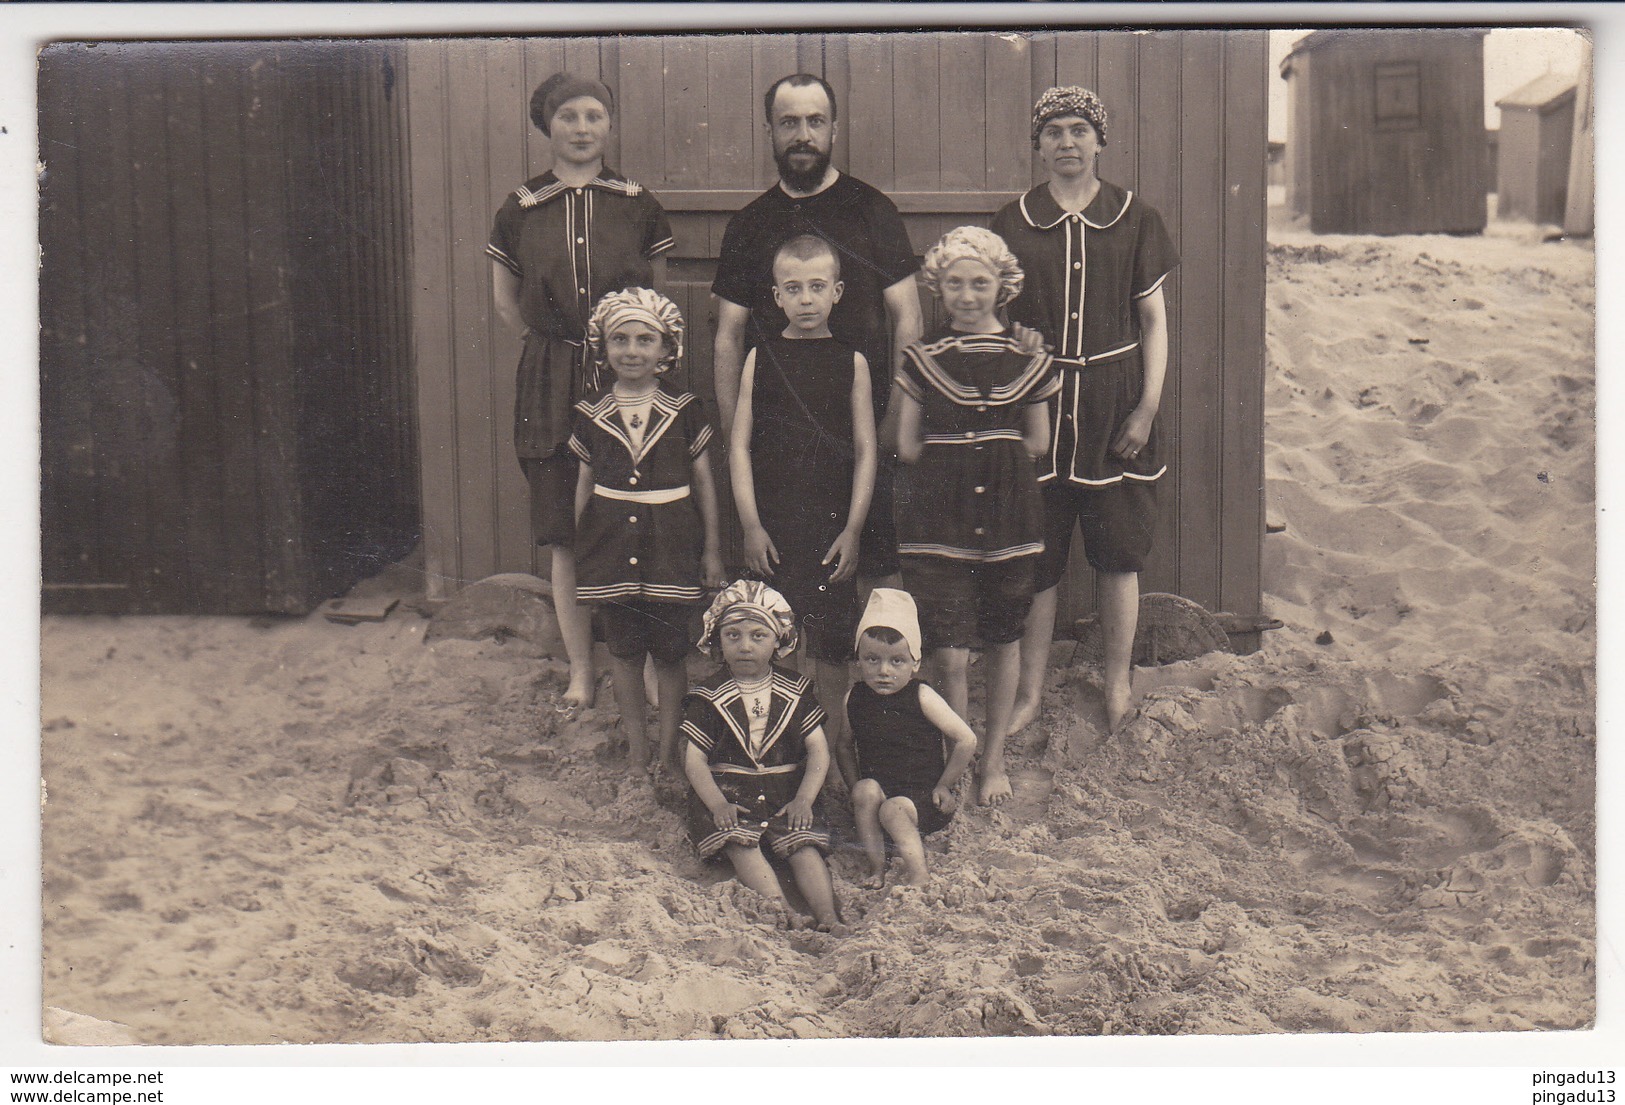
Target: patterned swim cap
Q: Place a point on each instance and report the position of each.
(750, 600)
(1069, 100)
(636, 305)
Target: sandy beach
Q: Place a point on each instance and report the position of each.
(290, 830)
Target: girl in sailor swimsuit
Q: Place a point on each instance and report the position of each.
(646, 509)
(756, 753)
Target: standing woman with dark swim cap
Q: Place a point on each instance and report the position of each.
(1095, 257)
(559, 244)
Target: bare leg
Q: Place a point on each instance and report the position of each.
(628, 679)
(812, 878)
(1002, 672)
(752, 869)
(575, 626)
(672, 680)
(866, 801)
(1035, 650)
(1119, 618)
(651, 681)
(953, 667)
(902, 821)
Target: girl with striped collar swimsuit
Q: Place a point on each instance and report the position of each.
(974, 413)
(646, 538)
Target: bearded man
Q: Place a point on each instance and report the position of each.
(879, 308)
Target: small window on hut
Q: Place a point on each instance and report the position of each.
(1399, 95)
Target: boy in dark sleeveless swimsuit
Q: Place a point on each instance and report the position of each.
(901, 782)
(803, 460)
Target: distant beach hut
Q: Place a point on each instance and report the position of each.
(1580, 217)
(1537, 135)
(1385, 131)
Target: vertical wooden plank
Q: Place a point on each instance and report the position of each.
(642, 115)
(1117, 82)
(963, 103)
(1161, 80)
(505, 84)
(70, 510)
(278, 451)
(1202, 273)
(1245, 142)
(609, 71)
(916, 114)
(867, 113)
(1006, 82)
(1046, 74)
(772, 57)
(732, 115)
(434, 354)
(686, 117)
(472, 195)
(230, 356)
(542, 58)
(1076, 58)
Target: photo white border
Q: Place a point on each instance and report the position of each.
(24, 27)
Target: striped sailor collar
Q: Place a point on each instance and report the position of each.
(785, 693)
(605, 412)
(534, 193)
(1041, 211)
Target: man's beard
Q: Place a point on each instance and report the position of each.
(802, 180)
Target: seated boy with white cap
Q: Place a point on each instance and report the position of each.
(892, 758)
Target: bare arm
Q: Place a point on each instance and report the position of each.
(505, 296)
(798, 811)
(705, 493)
(846, 752)
(760, 553)
(961, 738)
(844, 551)
(1152, 311)
(728, 359)
(910, 442)
(1035, 434)
(907, 324)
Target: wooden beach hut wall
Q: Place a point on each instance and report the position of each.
(1537, 135)
(938, 121)
(1385, 131)
(226, 411)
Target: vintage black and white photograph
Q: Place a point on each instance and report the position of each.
(821, 534)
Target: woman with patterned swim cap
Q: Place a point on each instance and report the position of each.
(1095, 256)
(560, 242)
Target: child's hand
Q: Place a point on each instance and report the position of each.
(711, 569)
(844, 554)
(798, 813)
(726, 816)
(1031, 342)
(1132, 436)
(760, 555)
(943, 799)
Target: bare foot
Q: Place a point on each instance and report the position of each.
(995, 788)
(1117, 707)
(1025, 714)
(875, 880)
(916, 874)
(833, 928)
(580, 694)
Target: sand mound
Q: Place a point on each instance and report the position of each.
(290, 830)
